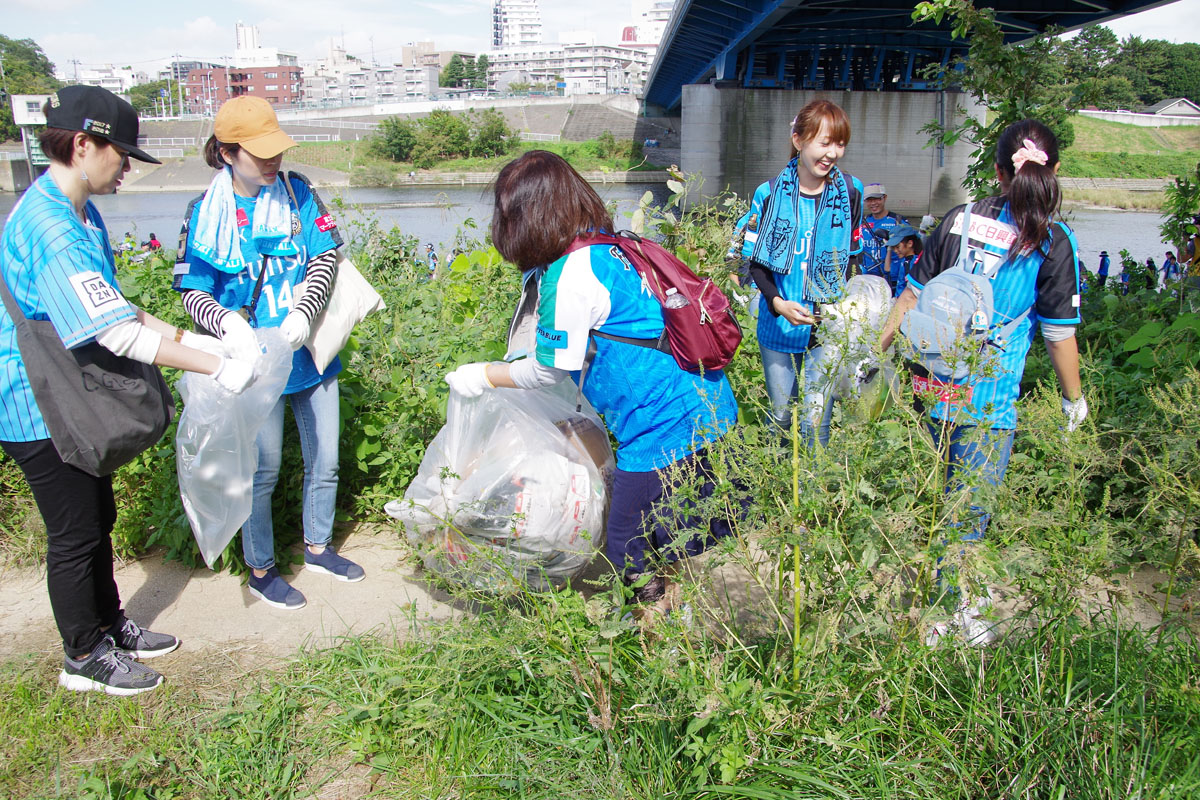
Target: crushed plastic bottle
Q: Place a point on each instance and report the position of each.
(674, 299)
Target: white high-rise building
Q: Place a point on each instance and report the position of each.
(250, 53)
(650, 18)
(516, 23)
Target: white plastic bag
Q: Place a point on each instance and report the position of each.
(512, 491)
(215, 453)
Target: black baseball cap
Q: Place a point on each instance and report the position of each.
(98, 112)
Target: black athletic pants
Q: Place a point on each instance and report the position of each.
(79, 512)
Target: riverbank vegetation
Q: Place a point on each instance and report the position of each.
(800, 670)
(366, 165)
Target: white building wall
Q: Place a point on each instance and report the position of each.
(516, 23)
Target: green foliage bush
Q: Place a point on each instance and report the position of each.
(442, 135)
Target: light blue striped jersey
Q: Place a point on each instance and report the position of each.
(57, 268)
(875, 233)
(776, 333)
(658, 412)
(1045, 280)
(313, 231)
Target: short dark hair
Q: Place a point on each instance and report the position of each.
(541, 206)
(59, 144)
(212, 152)
(915, 241)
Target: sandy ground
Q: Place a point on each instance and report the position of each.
(214, 613)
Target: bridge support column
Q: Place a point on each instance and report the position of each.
(737, 138)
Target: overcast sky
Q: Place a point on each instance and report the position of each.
(147, 34)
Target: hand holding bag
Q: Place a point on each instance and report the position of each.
(101, 409)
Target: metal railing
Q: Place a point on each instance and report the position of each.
(12, 155)
(526, 136)
(165, 152)
(331, 123)
(166, 141)
(312, 137)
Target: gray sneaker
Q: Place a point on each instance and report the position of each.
(139, 642)
(108, 669)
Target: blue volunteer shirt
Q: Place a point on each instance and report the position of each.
(313, 232)
(775, 332)
(57, 268)
(875, 233)
(658, 412)
(1045, 281)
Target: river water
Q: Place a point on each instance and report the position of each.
(436, 213)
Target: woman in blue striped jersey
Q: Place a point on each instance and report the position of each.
(57, 262)
(1032, 262)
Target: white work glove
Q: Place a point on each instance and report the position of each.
(239, 338)
(470, 380)
(1076, 412)
(234, 374)
(206, 344)
(295, 329)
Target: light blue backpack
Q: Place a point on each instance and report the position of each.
(951, 327)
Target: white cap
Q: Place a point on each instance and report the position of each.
(874, 190)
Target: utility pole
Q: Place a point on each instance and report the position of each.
(179, 85)
(170, 90)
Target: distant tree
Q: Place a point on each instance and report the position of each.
(27, 70)
(481, 72)
(1012, 82)
(468, 72)
(452, 75)
(1181, 73)
(145, 96)
(1141, 62)
(395, 139)
(490, 134)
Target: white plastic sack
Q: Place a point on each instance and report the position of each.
(850, 331)
(512, 491)
(215, 453)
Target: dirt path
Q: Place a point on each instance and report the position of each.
(214, 613)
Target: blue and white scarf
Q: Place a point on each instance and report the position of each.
(216, 238)
(825, 278)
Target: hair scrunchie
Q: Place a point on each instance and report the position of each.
(1029, 152)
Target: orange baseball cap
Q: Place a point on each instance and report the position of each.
(251, 123)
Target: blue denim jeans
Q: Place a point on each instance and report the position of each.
(316, 413)
(785, 374)
(973, 456)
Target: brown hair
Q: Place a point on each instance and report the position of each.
(1033, 193)
(59, 144)
(212, 152)
(541, 206)
(807, 123)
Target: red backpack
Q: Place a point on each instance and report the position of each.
(701, 331)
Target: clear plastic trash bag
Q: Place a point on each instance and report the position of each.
(512, 491)
(215, 453)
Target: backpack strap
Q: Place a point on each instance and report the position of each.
(965, 228)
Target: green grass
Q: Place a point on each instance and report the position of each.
(556, 698)
(1104, 149)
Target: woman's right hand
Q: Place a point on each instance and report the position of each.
(234, 375)
(238, 337)
(793, 312)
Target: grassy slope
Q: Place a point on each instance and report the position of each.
(1105, 149)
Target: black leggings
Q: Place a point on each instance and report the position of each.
(79, 512)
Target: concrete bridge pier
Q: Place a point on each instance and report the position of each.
(737, 138)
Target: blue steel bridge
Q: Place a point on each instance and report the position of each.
(830, 45)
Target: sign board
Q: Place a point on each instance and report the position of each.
(562, 84)
(27, 108)
(162, 92)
